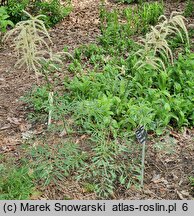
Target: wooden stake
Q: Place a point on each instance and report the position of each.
(142, 163)
(50, 99)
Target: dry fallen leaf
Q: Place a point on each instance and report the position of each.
(10, 141)
(180, 195)
(27, 135)
(36, 195)
(63, 133)
(14, 120)
(155, 178)
(5, 149)
(185, 193)
(81, 138)
(5, 127)
(24, 126)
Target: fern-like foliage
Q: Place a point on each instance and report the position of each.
(155, 50)
(29, 42)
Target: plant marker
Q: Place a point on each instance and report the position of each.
(141, 135)
(50, 99)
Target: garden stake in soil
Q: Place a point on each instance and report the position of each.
(50, 99)
(141, 135)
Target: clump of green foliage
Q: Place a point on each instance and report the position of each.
(53, 10)
(107, 98)
(4, 21)
(114, 104)
(192, 181)
(110, 165)
(134, 21)
(15, 183)
(15, 10)
(52, 163)
(149, 13)
(189, 9)
(156, 49)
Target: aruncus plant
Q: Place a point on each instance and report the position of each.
(29, 42)
(155, 50)
(33, 51)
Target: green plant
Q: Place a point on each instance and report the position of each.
(75, 66)
(189, 9)
(29, 42)
(191, 180)
(156, 51)
(52, 163)
(4, 21)
(15, 10)
(16, 183)
(39, 98)
(149, 13)
(53, 11)
(105, 101)
(134, 20)
(109, 167)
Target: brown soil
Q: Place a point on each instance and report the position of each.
(166, 173)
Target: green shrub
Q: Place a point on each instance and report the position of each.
(109, 106)
(108, 100)
(4, 21)
(15, 10)
(52, 9)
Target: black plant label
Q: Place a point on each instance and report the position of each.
(141, 134)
